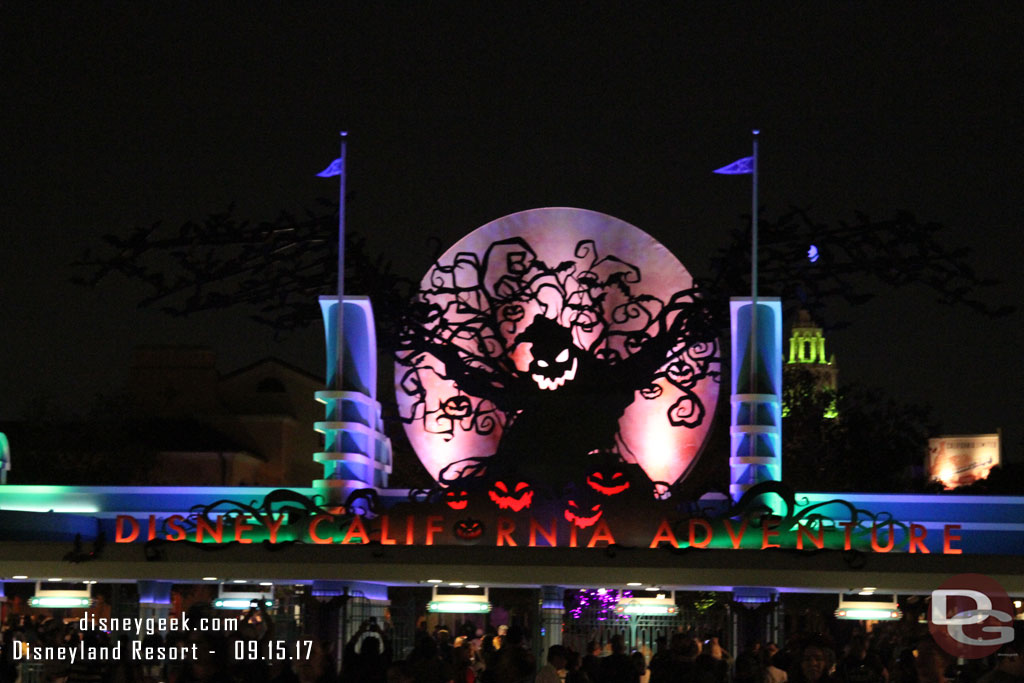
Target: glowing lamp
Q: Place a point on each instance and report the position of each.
(646, 610)
(57, 601)
(875, 609)
(238, 603)
(64, 597)
(663, 604)
(866, 614)
(459, 606)
(235, 596)
(457, 600)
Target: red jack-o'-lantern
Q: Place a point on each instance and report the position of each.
(608, 481)
(515, 497)
(582, 515)
(457, 499)
(468, 529)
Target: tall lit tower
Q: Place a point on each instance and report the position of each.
(807, 352)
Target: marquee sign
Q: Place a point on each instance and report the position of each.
(578, 522)
(550, 347)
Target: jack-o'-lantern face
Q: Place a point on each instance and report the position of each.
(555, 358)
(468, 529)
(582, 514)
(608, 481)
(514, 497)
(456, 499)
(457, 407)
(553, 374)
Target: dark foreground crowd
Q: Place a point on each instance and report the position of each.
(884, 656)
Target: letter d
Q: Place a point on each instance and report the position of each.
(975, 616)
(120, 536)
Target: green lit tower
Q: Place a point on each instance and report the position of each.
(807, 352)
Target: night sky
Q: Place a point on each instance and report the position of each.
(116, 115)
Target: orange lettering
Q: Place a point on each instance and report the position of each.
(736, 538)
(241, 526)
(505, 528)
(768, 532)
(119, 535)
(947, 540)
(356, 530)
(664, 534)
(433, 527)
(917, 536)
(174, 524)
(152, 528)
(550, 535)
(818, 541)
(313, 524)
(203, 527)
(601, 533)
(849, 526)
(410, 525)
(702, 523)
(874, 539)
(273, 528)
(384, 540)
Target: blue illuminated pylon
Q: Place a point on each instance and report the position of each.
(357, 453)
(755, 453)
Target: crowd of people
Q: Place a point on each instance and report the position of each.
(889, 654)
(885, 655)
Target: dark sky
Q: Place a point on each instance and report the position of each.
(116, 115)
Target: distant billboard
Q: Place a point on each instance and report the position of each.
(962, 460)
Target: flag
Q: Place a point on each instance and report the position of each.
(738, 167)
(334, 169)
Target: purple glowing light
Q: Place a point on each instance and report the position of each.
(332, 170)
(600, 602)
(739, 167)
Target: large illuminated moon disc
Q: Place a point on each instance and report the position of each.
(596, 266)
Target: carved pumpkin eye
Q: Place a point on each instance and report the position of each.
(542, 363)
(563, 356)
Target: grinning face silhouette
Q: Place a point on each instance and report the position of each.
(555, 358)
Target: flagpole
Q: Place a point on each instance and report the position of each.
(339, 312)
(753, 286)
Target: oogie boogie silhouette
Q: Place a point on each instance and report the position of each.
(538, 366)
